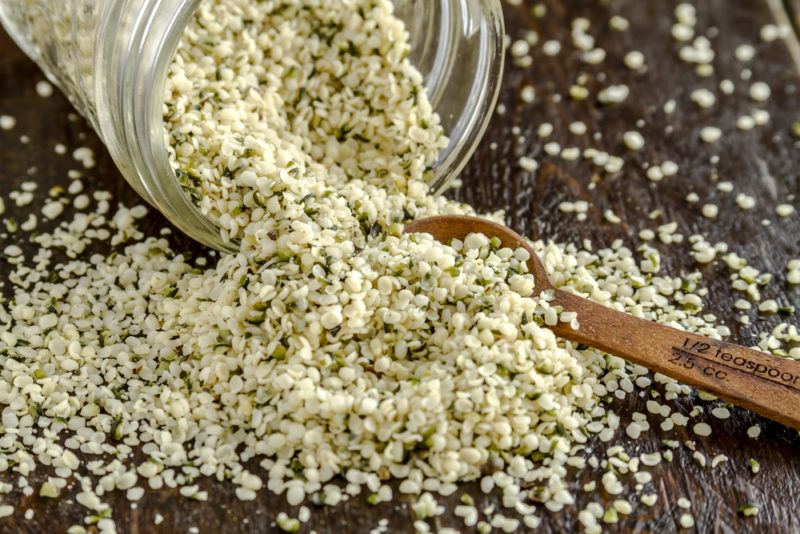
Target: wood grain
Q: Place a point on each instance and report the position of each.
(763, 163)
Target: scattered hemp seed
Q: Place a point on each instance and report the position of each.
(633, 140)
(721, 412)
(623, 507)
(528, 164)
(44, 89)
(52, 210)
(748, 510)
(718, 459)
(685, 13)
(768, 307)
(725, 187)
(710, 211)
(578, 92)
(570, 153)
(520, 48)
(634, 430)
(610, 516)
(702, 429)
(793, 272)
(755, 467)
(669, 168)
(286, 523)
(611, 217)
(618, 23)
(545, 130)
(654, 173)
(49, 490)
(85, 156)
(761, 117)
(727, 87)
(551, 47)
(634, 60)
(745, 202)
(745, 123)
(578, 128)
(528, 94)
(686, 521)
(744, 53)
(594, 56)
(703, 98)
(784, 210)
(552, 148)
(613, 94)
(771, 32)
(532, 37)
(7, 122)
(710, 134)
(753, 432)
(759, 92)
(682, 32)
(649, 499)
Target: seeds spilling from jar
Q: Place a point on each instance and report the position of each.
(332, 348)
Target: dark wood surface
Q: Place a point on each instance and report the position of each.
(764, 162)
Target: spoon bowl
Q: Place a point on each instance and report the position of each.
(759, 381)
(445, 228)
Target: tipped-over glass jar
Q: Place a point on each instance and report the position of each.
(111, 58)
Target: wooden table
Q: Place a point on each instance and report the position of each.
(764, 162)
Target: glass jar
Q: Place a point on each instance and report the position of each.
(111, 58)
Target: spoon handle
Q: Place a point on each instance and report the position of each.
(766, 384)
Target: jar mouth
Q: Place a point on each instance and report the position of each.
(459, 51)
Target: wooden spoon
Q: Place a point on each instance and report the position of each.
(766, 384)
